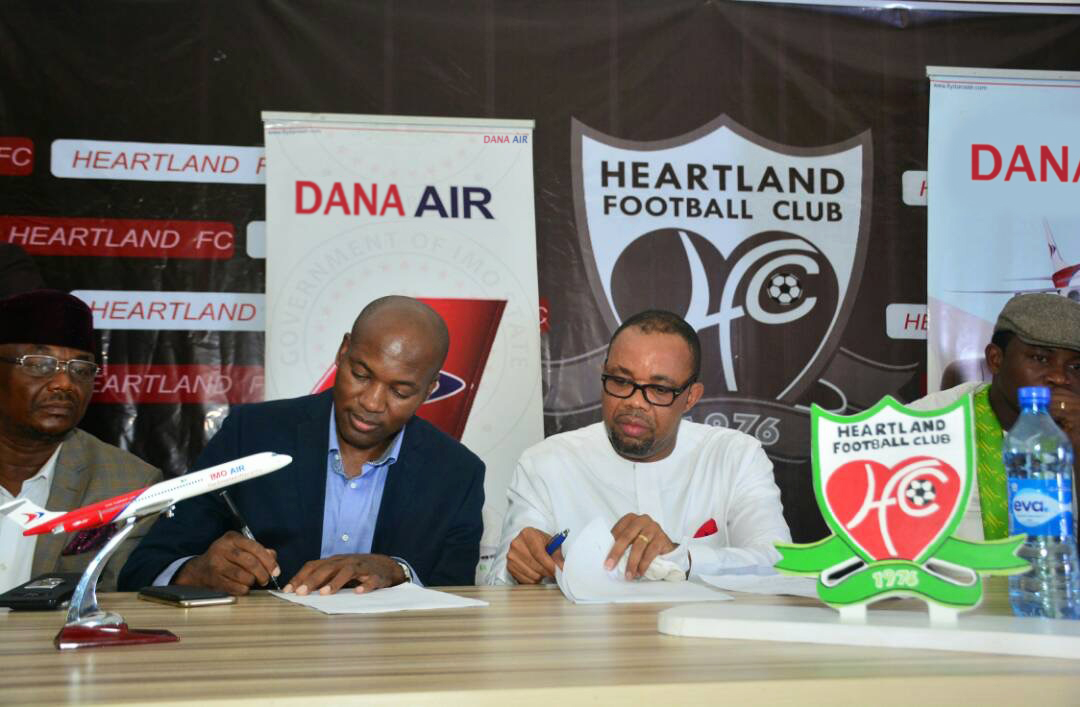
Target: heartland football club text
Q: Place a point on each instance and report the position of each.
(882, 435)
(713, 191)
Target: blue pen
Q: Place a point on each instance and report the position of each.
(556, 542)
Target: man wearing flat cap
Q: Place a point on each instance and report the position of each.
(1036, 341)
(47, 372)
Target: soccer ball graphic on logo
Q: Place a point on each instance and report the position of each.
(784, 288)
(921, 492)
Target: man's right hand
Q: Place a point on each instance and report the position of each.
(528, 561)
(231, 564)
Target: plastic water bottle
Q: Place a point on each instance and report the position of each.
(1039, 463)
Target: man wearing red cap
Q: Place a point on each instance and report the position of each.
(47, 371)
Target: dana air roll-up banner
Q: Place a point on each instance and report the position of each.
(441, 209)
(1004, 176)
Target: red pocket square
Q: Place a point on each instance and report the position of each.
(707, 528)
(86, 540)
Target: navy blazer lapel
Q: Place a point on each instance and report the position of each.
(401, 488)
(309, 471)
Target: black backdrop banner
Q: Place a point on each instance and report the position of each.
(114, 98)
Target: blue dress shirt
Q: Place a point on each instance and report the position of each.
(352, 505)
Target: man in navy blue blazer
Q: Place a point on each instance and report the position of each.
(374, 496)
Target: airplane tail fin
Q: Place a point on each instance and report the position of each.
(27, 514)
(1056, 261)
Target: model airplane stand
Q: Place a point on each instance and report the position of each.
(87, 625)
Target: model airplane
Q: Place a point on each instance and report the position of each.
(143, 502)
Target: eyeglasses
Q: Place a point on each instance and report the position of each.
(660, 395)
(41, 366)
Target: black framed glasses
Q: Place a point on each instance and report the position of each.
(42, 366)
(654, 394)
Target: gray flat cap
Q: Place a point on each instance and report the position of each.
(1042, 319)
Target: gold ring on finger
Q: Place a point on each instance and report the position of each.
(644, 538)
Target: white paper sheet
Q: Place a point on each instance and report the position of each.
(403, 597)
(765, 584)
(584, 580)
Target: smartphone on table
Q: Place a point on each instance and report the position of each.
(186, 597)
(42, 593)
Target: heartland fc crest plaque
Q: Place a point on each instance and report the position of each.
(893, 484)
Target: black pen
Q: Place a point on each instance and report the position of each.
(243, 526)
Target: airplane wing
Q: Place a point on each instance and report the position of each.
(155, 507)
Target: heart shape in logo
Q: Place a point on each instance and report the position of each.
(785, 290)
(894, 513)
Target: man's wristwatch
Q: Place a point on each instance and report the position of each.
(404, 568)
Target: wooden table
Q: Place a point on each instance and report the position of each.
(530, 646)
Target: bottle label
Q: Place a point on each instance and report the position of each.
(1040, 507)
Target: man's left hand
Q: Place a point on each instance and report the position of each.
(365, 572)
(646, 540)
(1065, 409)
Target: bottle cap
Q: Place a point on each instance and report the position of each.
(1033, 394)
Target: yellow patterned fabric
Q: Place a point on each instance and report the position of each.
(993, 493)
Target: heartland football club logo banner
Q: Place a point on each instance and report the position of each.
(359, 207)
(756, 244)
(1003, 170)
(892, 484)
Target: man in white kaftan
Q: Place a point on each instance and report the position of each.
(701, 497)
